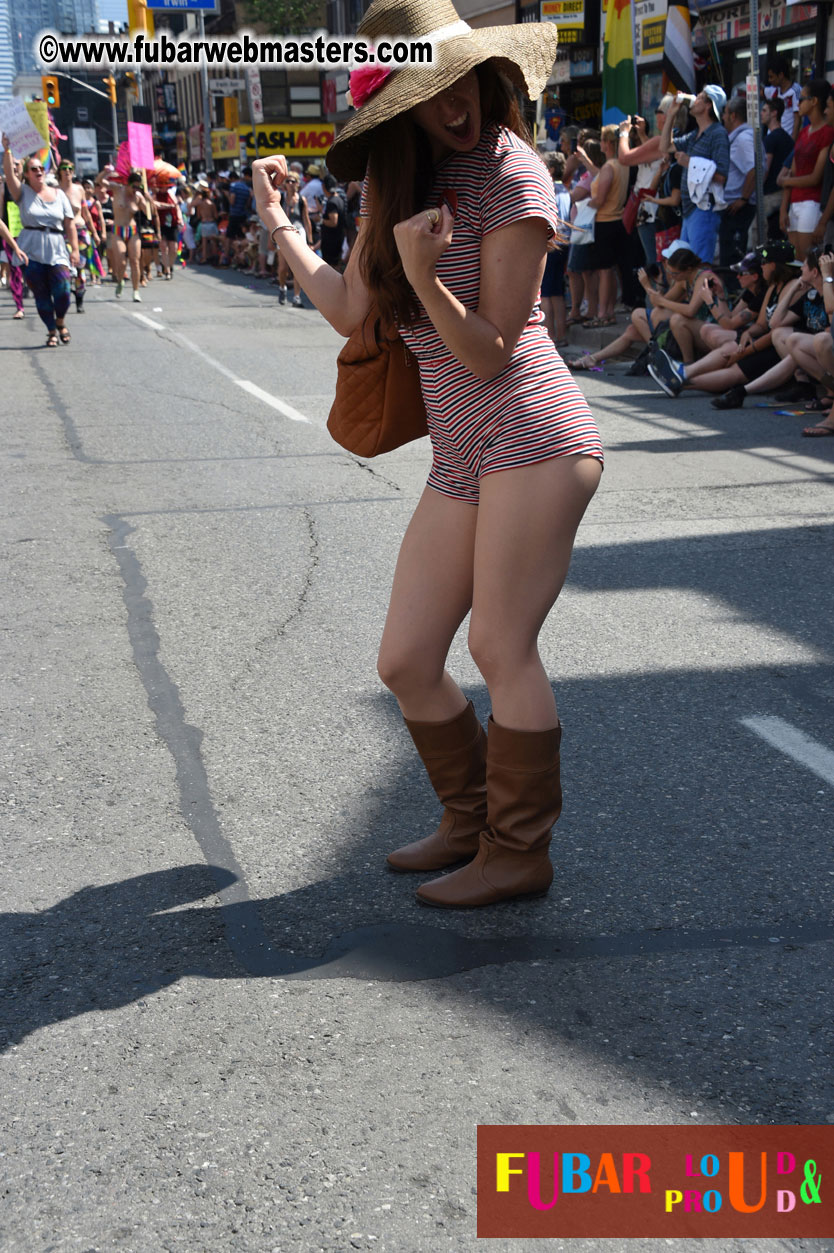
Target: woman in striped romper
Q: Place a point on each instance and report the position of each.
(458, 212)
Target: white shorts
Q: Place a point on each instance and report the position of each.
(803, 217)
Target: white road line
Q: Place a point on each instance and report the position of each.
(273, 401)
(252, 388)
(157, 326)
(794, 743)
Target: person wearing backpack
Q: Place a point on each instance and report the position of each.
(333, 223)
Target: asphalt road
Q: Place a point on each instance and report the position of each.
(224, 1026)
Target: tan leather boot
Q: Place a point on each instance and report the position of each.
(454, 754)
(524, 799)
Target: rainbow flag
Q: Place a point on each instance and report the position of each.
(619, 78)
(678, 55)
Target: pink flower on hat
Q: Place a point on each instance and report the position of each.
(364, 83)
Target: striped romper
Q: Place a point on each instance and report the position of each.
(533, 410)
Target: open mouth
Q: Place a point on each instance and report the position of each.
(460, 128)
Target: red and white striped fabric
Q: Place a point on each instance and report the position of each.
(533, 410)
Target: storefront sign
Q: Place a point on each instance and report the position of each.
(650, 25)
(225, 145)
(583, 62)
(291, 139)
(733, 21)
(568, 14)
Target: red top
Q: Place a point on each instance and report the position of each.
(809, 144)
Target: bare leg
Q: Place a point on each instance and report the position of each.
(775, 377)
(715, 360)
(719, 380)
(134, 255)
(684, 333)
(592, 292)
(118, 259)
(713, 336)
(801, 243)
(607, 292)
(526, 525)
(577, 292)
(802, 348)
(430, 597)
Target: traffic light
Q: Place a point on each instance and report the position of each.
(111, 88)
(139, 19)
(51, 94)
(231, 113)
(132, 85)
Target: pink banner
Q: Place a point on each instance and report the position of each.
(140, 145)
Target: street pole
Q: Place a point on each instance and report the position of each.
(115, 122)
(754, 107)
(206, 101)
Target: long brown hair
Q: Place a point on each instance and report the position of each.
(400, 173)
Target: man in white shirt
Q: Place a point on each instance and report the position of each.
(781, 85)
(739, 192)
(313, 193)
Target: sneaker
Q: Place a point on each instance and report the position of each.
(297, 302)
(137, 298)
(732, 399)
(119, 285)
(667, 373)
(282, 295)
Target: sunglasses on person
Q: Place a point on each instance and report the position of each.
(35, 169)
(291, 182)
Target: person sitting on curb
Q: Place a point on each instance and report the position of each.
(695, 299)
(754, 365)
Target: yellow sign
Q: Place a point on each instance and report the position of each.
(568, 15)
(652, 37)
(290, 139)
(225, 144)
(38, 112)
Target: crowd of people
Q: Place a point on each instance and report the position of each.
(63, 234)
(664, 222)
(718, 308)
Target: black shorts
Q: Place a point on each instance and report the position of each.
(758, 363)
(609, 246)
(169, 233)
(236, 228)
(553, 281)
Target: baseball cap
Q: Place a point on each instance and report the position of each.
(776, 250)
(675, 246)
(718, 96)
(750, 263)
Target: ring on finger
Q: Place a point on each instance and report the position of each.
(433, 216)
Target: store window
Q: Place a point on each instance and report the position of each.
(800, 50)
(651, 93)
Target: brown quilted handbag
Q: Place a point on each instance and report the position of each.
(378, 404)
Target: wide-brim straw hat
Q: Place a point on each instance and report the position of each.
(524, 53)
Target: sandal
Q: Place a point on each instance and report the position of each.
(820, 404)
(20, 314)
(577, 320)
(51, 340)
(598, 322)
(64, 335)
(818, 432)
(585, 362)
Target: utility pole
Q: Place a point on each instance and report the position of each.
(206, 100)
